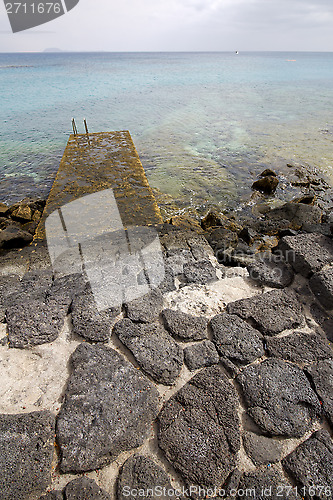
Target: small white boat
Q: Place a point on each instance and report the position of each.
(237, 52)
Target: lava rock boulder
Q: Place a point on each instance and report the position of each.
(279, 398)
(311, 465)
(199, 429)
(26, 454)
(109, 407)
(271, 312)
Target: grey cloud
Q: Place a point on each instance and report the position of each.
(165, 25)
(277, 13)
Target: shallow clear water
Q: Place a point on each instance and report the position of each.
(203, 123)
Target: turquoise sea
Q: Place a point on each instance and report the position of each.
(204, 124)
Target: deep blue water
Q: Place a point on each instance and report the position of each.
(203, 123)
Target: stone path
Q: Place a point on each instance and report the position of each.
(211, 380)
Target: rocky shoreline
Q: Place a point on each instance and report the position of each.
(217, 383)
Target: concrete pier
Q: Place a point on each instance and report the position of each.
(99, 161)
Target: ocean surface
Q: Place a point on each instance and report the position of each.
(204, 124)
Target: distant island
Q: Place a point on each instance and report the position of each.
(53, 49)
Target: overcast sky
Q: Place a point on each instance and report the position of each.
(181, 25)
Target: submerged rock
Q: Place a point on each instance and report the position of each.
(26, 454)
(199, 429)
(279, 398)
(267, 184)
(109, 408)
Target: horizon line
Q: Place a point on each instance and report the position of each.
(61, 51)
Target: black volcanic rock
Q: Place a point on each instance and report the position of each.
(296, 213)
(321, 285)
(33, 322)
(199, 429)
(322, 377)
(185, 326)
(53, 495)
(141, 473)
(87, 321)
(235, 339)
(9, 285)
(36, 283)
(145, 309)
(271, 312)
(300, 348)
(64, 289)
(200, 355)
(212, 219)
(168, 283)
(35, 313)
(279, 397)
(267, 184)
(154, 349)
(268, 172)
(308, 253)
(311, 464)
(85, 488)
(201, 272)
(14, 237)
(262, 449)
(108, 408)
(176, 258)
(262, 484)
(26, 454)
(271, 272)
